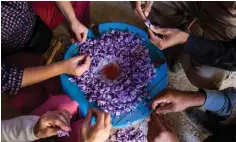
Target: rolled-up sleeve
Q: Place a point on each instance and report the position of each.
(11, 78)
(220, 102)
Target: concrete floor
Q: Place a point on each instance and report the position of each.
(179, 122)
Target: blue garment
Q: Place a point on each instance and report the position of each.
(220, 101)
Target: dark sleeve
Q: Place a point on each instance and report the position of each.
(11, 78)
(221, 54)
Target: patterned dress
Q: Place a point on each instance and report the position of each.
(17, 24)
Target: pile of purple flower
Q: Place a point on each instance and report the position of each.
(128, 135)
(127, 50)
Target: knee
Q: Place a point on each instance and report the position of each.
(65, 102)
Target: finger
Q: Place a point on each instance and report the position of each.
(78, 36)
(80, 57)
(62, 125)
(86, 64)
(157, 122)
(148, 8)
(66, 115)
(167, 108)
(136, 13)
(100, 116)
(72, 40)
(86, 123)
(162, 31)
(151, 132)
(160, 98)
(84, 36)
(87, 119)
(51, 132)
(155, 38)
(107, 119)
(87, 61)
(158, 101)
(139, 10)
(63, 118)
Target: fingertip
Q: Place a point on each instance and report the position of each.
(146, 13)
(79, 38)
(157, 111)
(68, 129)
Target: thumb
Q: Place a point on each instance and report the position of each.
(78, 36)
(166, 108)
(162, 31)
(86, 62)
(51, 132)
(87, 119)
(80, 57)
(159, 100)
(148, 8)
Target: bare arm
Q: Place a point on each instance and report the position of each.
(78, 28)
(67, 10)
(34, 75)
(37, 74)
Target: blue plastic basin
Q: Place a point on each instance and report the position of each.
(157, 84)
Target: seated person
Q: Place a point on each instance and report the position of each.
(24, 75)
(218, 102)
(215, 23)
(33, 127)
(220, 54)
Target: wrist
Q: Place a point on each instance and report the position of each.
(36, 130)
(73, 21)
(197, 99)
(184, 36)
(60, 67)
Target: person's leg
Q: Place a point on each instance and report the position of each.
(48, 12)
(52, 16)
(82, 11)
(62, 102)
(57, 102)
(168, 14)
(32, 96)
(202, 76)
(172, 15)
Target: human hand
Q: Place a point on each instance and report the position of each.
(52, 121)
(158, 131)
(79, 30)
(171, 100)
(170, 38)
(142, 12)
(77, 65)
(100, 131)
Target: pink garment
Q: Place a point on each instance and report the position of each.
(61, 102)
(58, 102)
(29, 98)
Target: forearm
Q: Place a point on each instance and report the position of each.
(67, 10)
(34, 75)
(194, 99)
